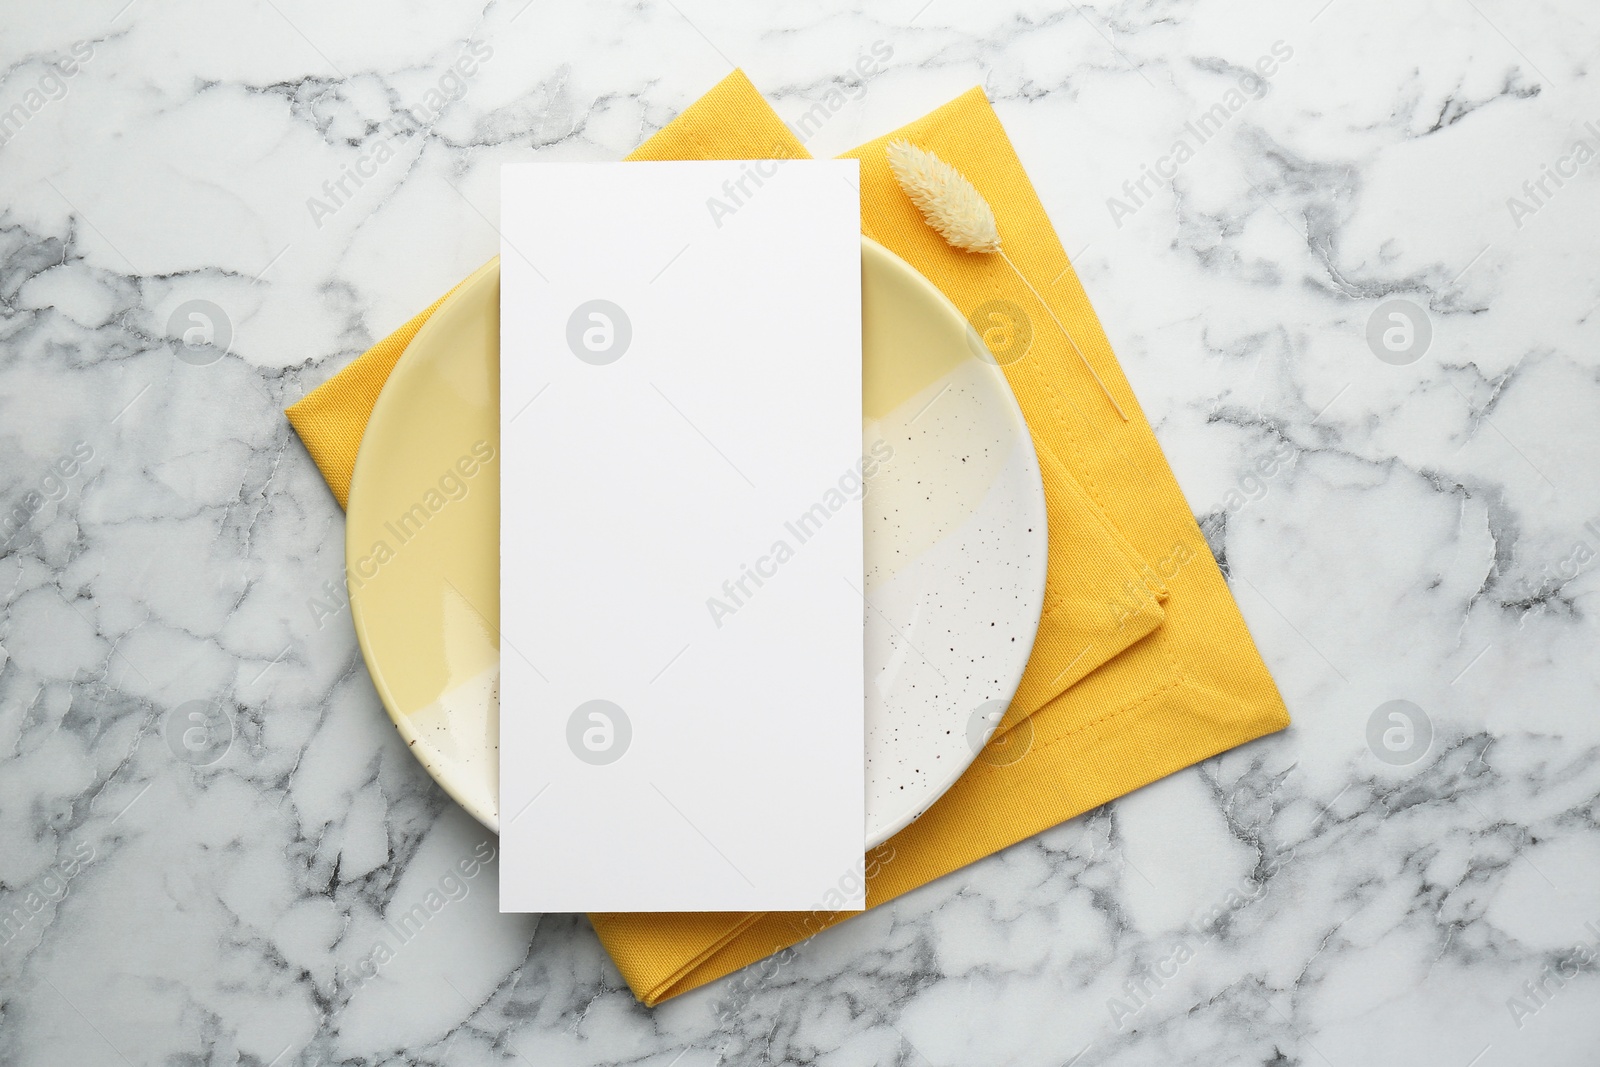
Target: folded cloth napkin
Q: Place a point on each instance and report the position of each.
(1142, 665)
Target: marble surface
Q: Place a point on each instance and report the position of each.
(1381, 884)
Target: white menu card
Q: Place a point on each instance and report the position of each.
(681, 607)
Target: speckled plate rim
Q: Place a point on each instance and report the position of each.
(1034, 516)
(440, 322)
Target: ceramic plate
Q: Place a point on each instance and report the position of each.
(955, 543)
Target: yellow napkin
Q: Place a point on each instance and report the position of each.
(1142, 665)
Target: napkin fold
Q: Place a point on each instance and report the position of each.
(1142, 665)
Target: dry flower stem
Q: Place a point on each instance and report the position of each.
(953, 206)
(1087, 365)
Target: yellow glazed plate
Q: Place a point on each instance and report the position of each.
(955, 543)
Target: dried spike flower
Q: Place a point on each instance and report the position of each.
(950, 203)
(953, 206)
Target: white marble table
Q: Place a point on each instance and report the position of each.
(1354, 891)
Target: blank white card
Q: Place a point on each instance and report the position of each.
(681, 613)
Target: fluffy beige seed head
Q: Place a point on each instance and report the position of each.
(951, 204)
(954, 207)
